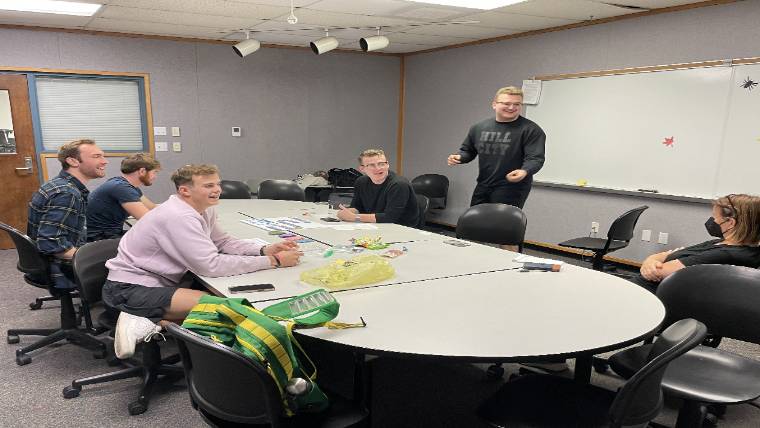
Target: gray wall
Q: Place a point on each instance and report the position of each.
(299, 112)
(447, 91)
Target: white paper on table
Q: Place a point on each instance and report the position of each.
(531, 91)
(354, 226)
(524, 258)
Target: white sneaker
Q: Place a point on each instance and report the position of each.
(131, 329)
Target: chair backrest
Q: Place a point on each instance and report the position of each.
(622, 228)
(725, 298)
(232, 189)
(31, 262)
(337, 198)
(423, 204)
(285, 190)
(640, 399)
(434, 186)
(90, 267)
(226, 384)
(493, 223)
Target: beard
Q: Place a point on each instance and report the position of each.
(145, 181)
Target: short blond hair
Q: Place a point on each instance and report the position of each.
(71, 150)
(508, 90)
(137, 161)
(370, 153)
(185, 174)
(745, 209)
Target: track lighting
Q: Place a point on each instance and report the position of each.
(374, 43)
(247, 46)
(325, 44)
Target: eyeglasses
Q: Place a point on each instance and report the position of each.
(731, 206)
(376, 165)
(509, 104)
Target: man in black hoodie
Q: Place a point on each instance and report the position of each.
(511, 150)
(381, 196)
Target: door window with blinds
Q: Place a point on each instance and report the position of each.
(107, 110)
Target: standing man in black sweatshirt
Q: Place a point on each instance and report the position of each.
(511, 150)
(381, 196)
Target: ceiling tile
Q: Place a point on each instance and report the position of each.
(208, 7)
(315, 17)
(459, 30)
(568, 9)
(363, 7)
(104, 24)
(431, 13)
(422, 39)
(516, 22)
(180, 18)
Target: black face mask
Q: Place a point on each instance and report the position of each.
(713, 228)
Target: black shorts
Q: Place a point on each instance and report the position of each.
(148, 302)
(510, 195)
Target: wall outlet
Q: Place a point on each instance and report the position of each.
(162, 146)
(663, 239)
(646, 235)
(175, 131)
(177, 146)
(594, 227)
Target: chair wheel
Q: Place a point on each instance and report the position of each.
(600, 366)
(113, 361)
(100, 354)
(36, 305)
(71, 392)
(23, 359)
(495, 372)
(710, 420)
(12, 338)
(137, 408)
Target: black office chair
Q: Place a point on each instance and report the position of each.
(423, 204)
(725, 298)
(493, 223)
(228, 389)
(232, 189)
(284, 190)
(36, 269)
(554, 401)
(618, 236)
(434, 186)
(91, 273)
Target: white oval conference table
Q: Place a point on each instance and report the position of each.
(464, 303)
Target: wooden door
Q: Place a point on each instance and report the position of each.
(18, 162)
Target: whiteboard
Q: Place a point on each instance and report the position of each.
(739, 170)
(659, 130)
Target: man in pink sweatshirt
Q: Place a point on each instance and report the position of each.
(180, 235)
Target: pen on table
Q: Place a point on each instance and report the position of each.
(249, 216)
(648, 190)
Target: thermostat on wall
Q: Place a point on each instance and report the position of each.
(236, 131)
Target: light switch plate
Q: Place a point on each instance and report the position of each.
(175, 131)
(162, 146)
(236, 131)
(177, 146)
(159, 130)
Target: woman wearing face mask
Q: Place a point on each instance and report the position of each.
(735, 222)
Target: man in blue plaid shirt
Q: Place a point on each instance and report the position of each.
(58, 210)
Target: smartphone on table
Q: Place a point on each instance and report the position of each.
(251, 288)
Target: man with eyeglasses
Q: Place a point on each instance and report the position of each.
(511, 149)
(380, 196)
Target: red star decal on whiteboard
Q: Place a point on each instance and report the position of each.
(668, 141)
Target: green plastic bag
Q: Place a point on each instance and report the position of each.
(341, 274)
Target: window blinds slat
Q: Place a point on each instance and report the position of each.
(105, 110)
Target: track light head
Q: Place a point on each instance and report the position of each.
(325, 44)
(246, 47)
(373, 43)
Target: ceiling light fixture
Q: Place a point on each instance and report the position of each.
(51, 6)
(472, 4)
(325, 44)
(374, 43)
(247, 46)
(292, 18)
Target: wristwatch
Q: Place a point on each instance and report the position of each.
(357, 218)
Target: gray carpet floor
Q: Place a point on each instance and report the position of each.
(406, 393)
